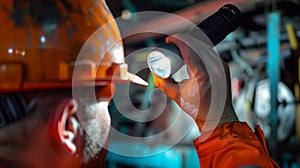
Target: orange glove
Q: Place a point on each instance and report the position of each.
(198, 95)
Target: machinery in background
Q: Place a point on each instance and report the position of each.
(253, 106)
(252, 93)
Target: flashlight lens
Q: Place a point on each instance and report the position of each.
(159, 64)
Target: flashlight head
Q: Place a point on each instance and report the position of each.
(164, 60)
(159, 64)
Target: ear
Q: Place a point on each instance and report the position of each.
(64, 126)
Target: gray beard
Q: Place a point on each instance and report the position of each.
(96, 127)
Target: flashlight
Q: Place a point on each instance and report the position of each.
(165, 59)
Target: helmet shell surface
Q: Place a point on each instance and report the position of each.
(41, 40)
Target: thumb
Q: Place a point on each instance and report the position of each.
(169, 86)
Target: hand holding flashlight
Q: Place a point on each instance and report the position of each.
(194, 95)
(208, 88)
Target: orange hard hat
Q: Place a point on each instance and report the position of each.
(43, 42)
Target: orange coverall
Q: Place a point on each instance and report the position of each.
(234, 145)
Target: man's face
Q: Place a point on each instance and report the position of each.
(29, 137)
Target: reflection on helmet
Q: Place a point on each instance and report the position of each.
(41, 39)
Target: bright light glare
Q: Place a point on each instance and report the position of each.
(159, 64)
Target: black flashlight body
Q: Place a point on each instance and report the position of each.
(216, 27)
(221, 23)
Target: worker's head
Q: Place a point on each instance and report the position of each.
(58, 62)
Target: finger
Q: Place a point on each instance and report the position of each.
(168, 86)
(190, 57)
(186, 52)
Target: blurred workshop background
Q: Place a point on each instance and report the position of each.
(265, 81)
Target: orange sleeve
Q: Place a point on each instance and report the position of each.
(233, 145)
